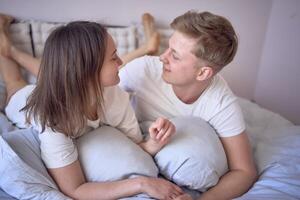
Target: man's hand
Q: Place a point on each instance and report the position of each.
(159, 188)
(160, 132)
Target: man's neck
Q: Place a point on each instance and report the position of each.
(189, 94)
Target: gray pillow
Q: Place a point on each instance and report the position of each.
(106, 154)
(195, 157)
(22, 171)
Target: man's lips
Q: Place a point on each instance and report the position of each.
(166, 69)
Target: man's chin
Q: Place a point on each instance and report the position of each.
(165, 79)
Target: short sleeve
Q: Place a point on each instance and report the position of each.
(120, 114)
(133, 74)
(57, 150)
(229, 121)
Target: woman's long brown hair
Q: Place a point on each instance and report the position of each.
(69, 78)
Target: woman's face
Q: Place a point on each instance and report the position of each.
(109, 74)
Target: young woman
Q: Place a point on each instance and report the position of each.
(75, 92)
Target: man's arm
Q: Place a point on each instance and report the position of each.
(242, 171)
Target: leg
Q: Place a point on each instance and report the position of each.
(7, 49)
(151, 45)
(150, 48)
(11, 75)
(9, 69)
(29, 62)
(148, 23)
(5, 43)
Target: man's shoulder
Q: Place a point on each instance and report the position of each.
(150, 65)
(219, 87)
(219, 93)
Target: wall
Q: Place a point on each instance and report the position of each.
(248, 17)
(278, 82)
(258, 72)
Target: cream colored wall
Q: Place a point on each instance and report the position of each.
(248, 17)
(247, 75)
(278, 81)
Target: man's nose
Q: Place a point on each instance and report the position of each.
(163, 56)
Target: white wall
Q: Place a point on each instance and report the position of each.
(278, 82)
(248, 75)
(248, 17)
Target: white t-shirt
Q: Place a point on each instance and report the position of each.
(152, 97)
(58, 150)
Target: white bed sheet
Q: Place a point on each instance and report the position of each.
(276, 148)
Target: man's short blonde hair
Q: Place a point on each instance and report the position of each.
(216, 39)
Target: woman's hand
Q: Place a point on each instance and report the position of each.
(184, 197)
(160, 188)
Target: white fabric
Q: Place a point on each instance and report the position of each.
(153, 98)
(278, 161)
(19, 179)
(195, 157)
(124, 37)
(106, 154)
(58, 150)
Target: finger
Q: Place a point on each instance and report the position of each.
(163, 131)
(160, 123)
(173, 196)
(178, 190)
(153, 131)
(168, 134)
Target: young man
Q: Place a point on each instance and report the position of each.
(184, 80)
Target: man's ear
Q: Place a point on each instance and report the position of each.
(205, 73)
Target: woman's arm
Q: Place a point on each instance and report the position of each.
(71, 182)
(242, 172)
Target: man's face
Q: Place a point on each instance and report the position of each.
(180, 65)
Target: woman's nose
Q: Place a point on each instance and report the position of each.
(120, 62)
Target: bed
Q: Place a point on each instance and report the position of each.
(275, 140)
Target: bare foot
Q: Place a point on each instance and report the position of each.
(148, 23)
(5, 43)
(5, 20)
(152, 45)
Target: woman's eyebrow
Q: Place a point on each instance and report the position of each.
(114, 52)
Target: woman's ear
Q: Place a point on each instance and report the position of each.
(205, 73)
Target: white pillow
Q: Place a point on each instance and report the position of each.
(195, 157)
(124, 37)
(22, 171)
(40, 32)
(106, 154)
(20, 36)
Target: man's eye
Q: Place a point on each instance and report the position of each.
(175, 57)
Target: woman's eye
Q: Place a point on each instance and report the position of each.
(114, 58)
